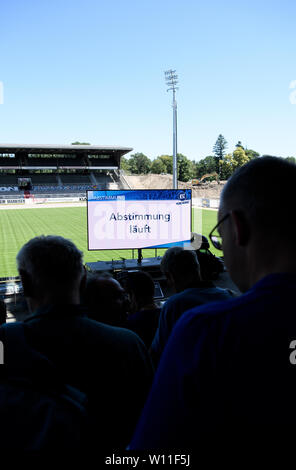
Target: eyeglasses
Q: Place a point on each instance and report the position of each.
(215, 237)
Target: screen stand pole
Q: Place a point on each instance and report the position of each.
(140, 257)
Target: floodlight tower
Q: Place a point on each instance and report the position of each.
(171, 79)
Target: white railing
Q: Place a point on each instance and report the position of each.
(123, 179)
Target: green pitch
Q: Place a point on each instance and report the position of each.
(20, 225)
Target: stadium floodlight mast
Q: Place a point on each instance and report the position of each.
(171, 79)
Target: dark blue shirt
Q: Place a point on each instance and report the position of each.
(226, 376)
(176, 305)
(144, 323)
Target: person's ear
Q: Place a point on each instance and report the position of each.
(241, 227)
(27, 283)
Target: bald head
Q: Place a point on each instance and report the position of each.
(265, 190)
(256, 214)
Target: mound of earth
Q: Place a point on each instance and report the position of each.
(210, 189)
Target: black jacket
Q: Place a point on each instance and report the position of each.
(111, 365)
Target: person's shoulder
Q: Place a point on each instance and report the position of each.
(120, 343)
(108, 331)
(134, 318)
(197, 295)
(210, 289)
(172, 298)
(214, 312)
(180, 296)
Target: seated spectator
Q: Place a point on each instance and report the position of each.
(144, 313)
(110, 365)
(227, 376)
(105, 299)
(181, 268)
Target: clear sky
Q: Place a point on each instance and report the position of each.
(93, 71)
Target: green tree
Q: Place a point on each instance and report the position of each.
(251, 154)
(233, 161)
(158, 166)
(239, 145)
(240, 158)
(219, 151)
(219, 147)
(226, 166)
(291, 159)
(204, 166)
(184, 168)
(139, 164)
(124, 164)
(80, 143)
(194, 166)
(168, 161)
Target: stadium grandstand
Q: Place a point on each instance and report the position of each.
(27, 171)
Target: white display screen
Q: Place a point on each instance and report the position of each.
(131, 219)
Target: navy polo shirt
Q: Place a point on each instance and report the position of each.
(226, 374)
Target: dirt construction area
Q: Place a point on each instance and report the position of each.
(209, 190)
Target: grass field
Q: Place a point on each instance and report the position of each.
(19, 225)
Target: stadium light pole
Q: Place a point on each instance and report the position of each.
(171, 79)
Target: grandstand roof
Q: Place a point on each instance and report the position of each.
(65, 149)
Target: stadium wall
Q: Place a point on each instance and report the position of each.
(205, 202)
(43, 198)
(19, 200)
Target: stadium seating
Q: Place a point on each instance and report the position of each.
(50, 181)
(72, 178)
(45, 178)
(102, 178)
(8, 180)
(99, 162)
(6, 161)
(70, 161)
(32, 161)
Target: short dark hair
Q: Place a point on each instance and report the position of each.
(104, 299)
(265, 189)
(140, 284)
(182, 264)
(93, 291)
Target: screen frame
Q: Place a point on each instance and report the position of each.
(137, 248)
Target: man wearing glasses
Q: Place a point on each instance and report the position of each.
(225, 379)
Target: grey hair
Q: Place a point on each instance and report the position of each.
(182, 264)
(51, 260)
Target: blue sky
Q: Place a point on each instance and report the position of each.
(93, 71)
